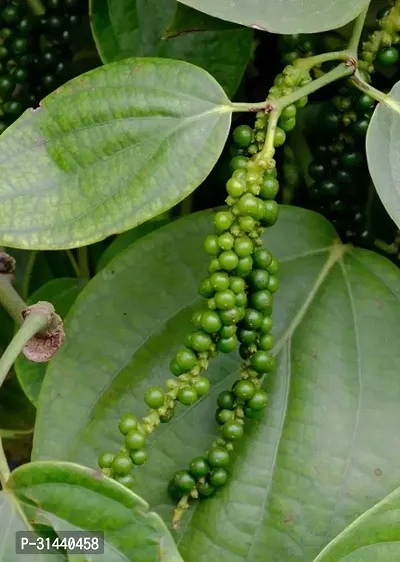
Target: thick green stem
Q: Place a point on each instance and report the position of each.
(309, 62)
(268, 150)
(341, 71)
(356, 35)
(37, 7)
(35, 322)
(83, 263)
(10, 299)
(377, 95)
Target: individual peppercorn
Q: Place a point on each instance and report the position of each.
(258, 401)
(128, 423)
(218, 477)
(211, 322)
(228, 260)
(218, 457)
(223, 416)
(266, 342)
(253, 319)
(227, 345)
(242, 136)
(243, 246)
(135, 440)
(199, 467)
(121, 464)
(154, 397)
(226, 399)
(261, 300)
(388, 56)
(185, 358)
(262, 258)
(201, 385)
(200, 341)
(211, 245)
(105, 460)
(187, 395)
(262, 361)
(244, 389)
(184, 481)
(232, 430)
(138, 457)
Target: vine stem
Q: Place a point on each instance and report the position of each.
(341, 71)
(357, 31)
(35, 322)
(37, 7)
(377, 95)
(83, 262)
(10, 299)
(74, 263)
(28, 274)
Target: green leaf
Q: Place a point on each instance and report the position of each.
(148, 130)
(164, 28)
(328, 447)
(122, 241)
(62, 293)
(283, 16)
(75, 498)
(373, 536)
(383, 143)
(12, 520)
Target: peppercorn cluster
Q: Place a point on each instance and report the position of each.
(339, 170)
(34, 53)
(239, 291)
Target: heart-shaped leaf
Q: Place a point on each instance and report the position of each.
(283, 16)
(373, 536)
(62, 294)
(383, 145)
(74, 498)
(328, 447)
(165, 28)
(109, 150)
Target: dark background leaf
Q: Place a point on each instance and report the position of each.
(165, 28)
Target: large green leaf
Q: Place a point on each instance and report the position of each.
(109, 150)
(372, 537)
(62, 294)
(164, 28)
(283, 16)
(75, 498)
(383, 144)
(328, 447)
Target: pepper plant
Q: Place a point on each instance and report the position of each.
(199, 276)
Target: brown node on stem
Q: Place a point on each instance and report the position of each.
(7, 264)
(45, 344)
